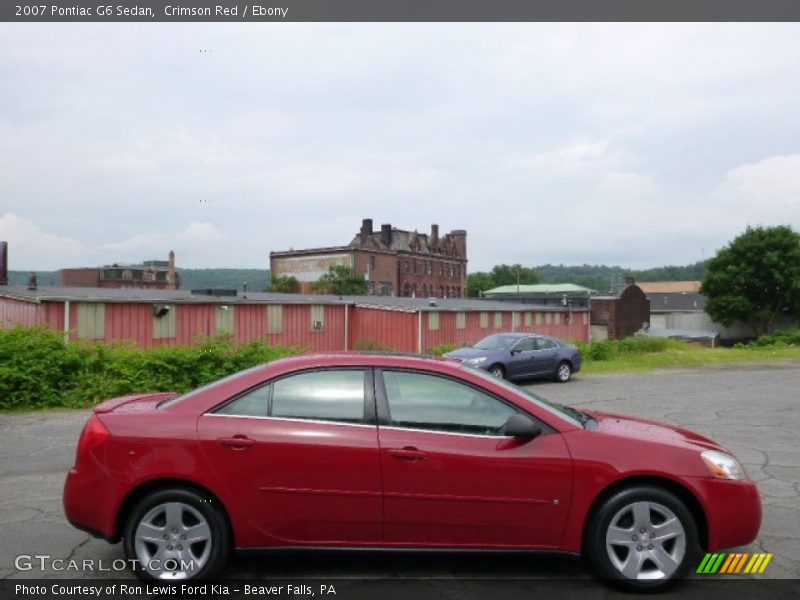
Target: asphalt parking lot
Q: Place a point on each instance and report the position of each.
(752, 410)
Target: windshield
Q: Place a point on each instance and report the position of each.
(567, 413)
(496, 342)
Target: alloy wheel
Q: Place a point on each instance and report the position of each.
(646, 541)
(172, 541)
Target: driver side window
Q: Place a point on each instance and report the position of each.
(422, 401)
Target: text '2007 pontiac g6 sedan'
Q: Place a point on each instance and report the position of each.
(371, 451)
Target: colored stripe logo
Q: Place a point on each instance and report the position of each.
(734, 562)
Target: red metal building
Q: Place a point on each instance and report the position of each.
(155, 317)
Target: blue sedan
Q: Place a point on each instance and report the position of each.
(522, 356)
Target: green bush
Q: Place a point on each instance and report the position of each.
(642, 344)
(39, 370)
(602, 350)
(610, 349)
(372, 346)
(441, 349)
(782, 338)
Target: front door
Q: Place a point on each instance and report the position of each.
(452, 479)
(300, 457)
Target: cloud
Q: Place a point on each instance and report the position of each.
(198, 244)
(30, 248)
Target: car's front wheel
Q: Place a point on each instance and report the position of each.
(642, 538)
(176, 534)
(498, 371)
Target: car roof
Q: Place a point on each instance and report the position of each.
(519, 334)
(369, 359)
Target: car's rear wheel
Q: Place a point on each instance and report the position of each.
(498, 371)
(176, 534)
(642, 538)
(563, 372)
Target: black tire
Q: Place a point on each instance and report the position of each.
(191, 505)
(498, 371)
(598, 552)
(563, 372)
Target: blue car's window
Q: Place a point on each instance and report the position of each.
(544, 344)
(525, 345)
(496, 342)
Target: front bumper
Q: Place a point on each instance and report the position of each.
(733, 511)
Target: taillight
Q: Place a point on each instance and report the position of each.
(94, 433)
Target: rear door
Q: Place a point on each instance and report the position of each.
(300, 455)
(451, 478)
(545, 356)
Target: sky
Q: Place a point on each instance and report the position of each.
(630, 144)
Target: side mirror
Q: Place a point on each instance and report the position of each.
(520, 426)
(515, 351)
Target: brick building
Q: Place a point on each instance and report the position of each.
(395, 262)
(151, 274)
(618, 317)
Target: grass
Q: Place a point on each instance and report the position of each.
(677, 354)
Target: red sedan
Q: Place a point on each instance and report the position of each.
(362, 451)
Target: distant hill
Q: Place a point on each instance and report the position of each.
(598, 277)
(257, 279)
(607, 278)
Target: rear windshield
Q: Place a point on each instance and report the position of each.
(208, 386)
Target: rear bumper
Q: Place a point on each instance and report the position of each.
(89, 506)
(733, 510)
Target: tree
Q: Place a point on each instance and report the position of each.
(341, 281)
(755, 279)
(513, 274)
(285, 284)
(479, 282)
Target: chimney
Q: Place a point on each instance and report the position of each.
(459, 237)
(366, 230)
(435, 237)
(386, 234)
(32, 285)
(3, 263)
(171, 273)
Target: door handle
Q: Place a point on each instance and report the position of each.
(237, 442)
(411, 454)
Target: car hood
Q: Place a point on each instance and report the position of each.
(653, 431)
(467, 353)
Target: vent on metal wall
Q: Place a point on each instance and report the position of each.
(317, 324)
(160, 310)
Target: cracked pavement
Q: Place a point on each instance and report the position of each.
(753, 410)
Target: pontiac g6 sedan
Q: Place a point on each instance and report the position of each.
(351, 450)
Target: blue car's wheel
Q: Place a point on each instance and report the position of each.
(563, 372)
(498, 371)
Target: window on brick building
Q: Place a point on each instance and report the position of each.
(407, 289)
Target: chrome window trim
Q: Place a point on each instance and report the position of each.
(292, 419)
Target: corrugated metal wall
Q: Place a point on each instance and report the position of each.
(16, 312)
(315, 327)
(373, 328)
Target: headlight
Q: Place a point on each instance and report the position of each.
(722, 466)
(476, 361)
